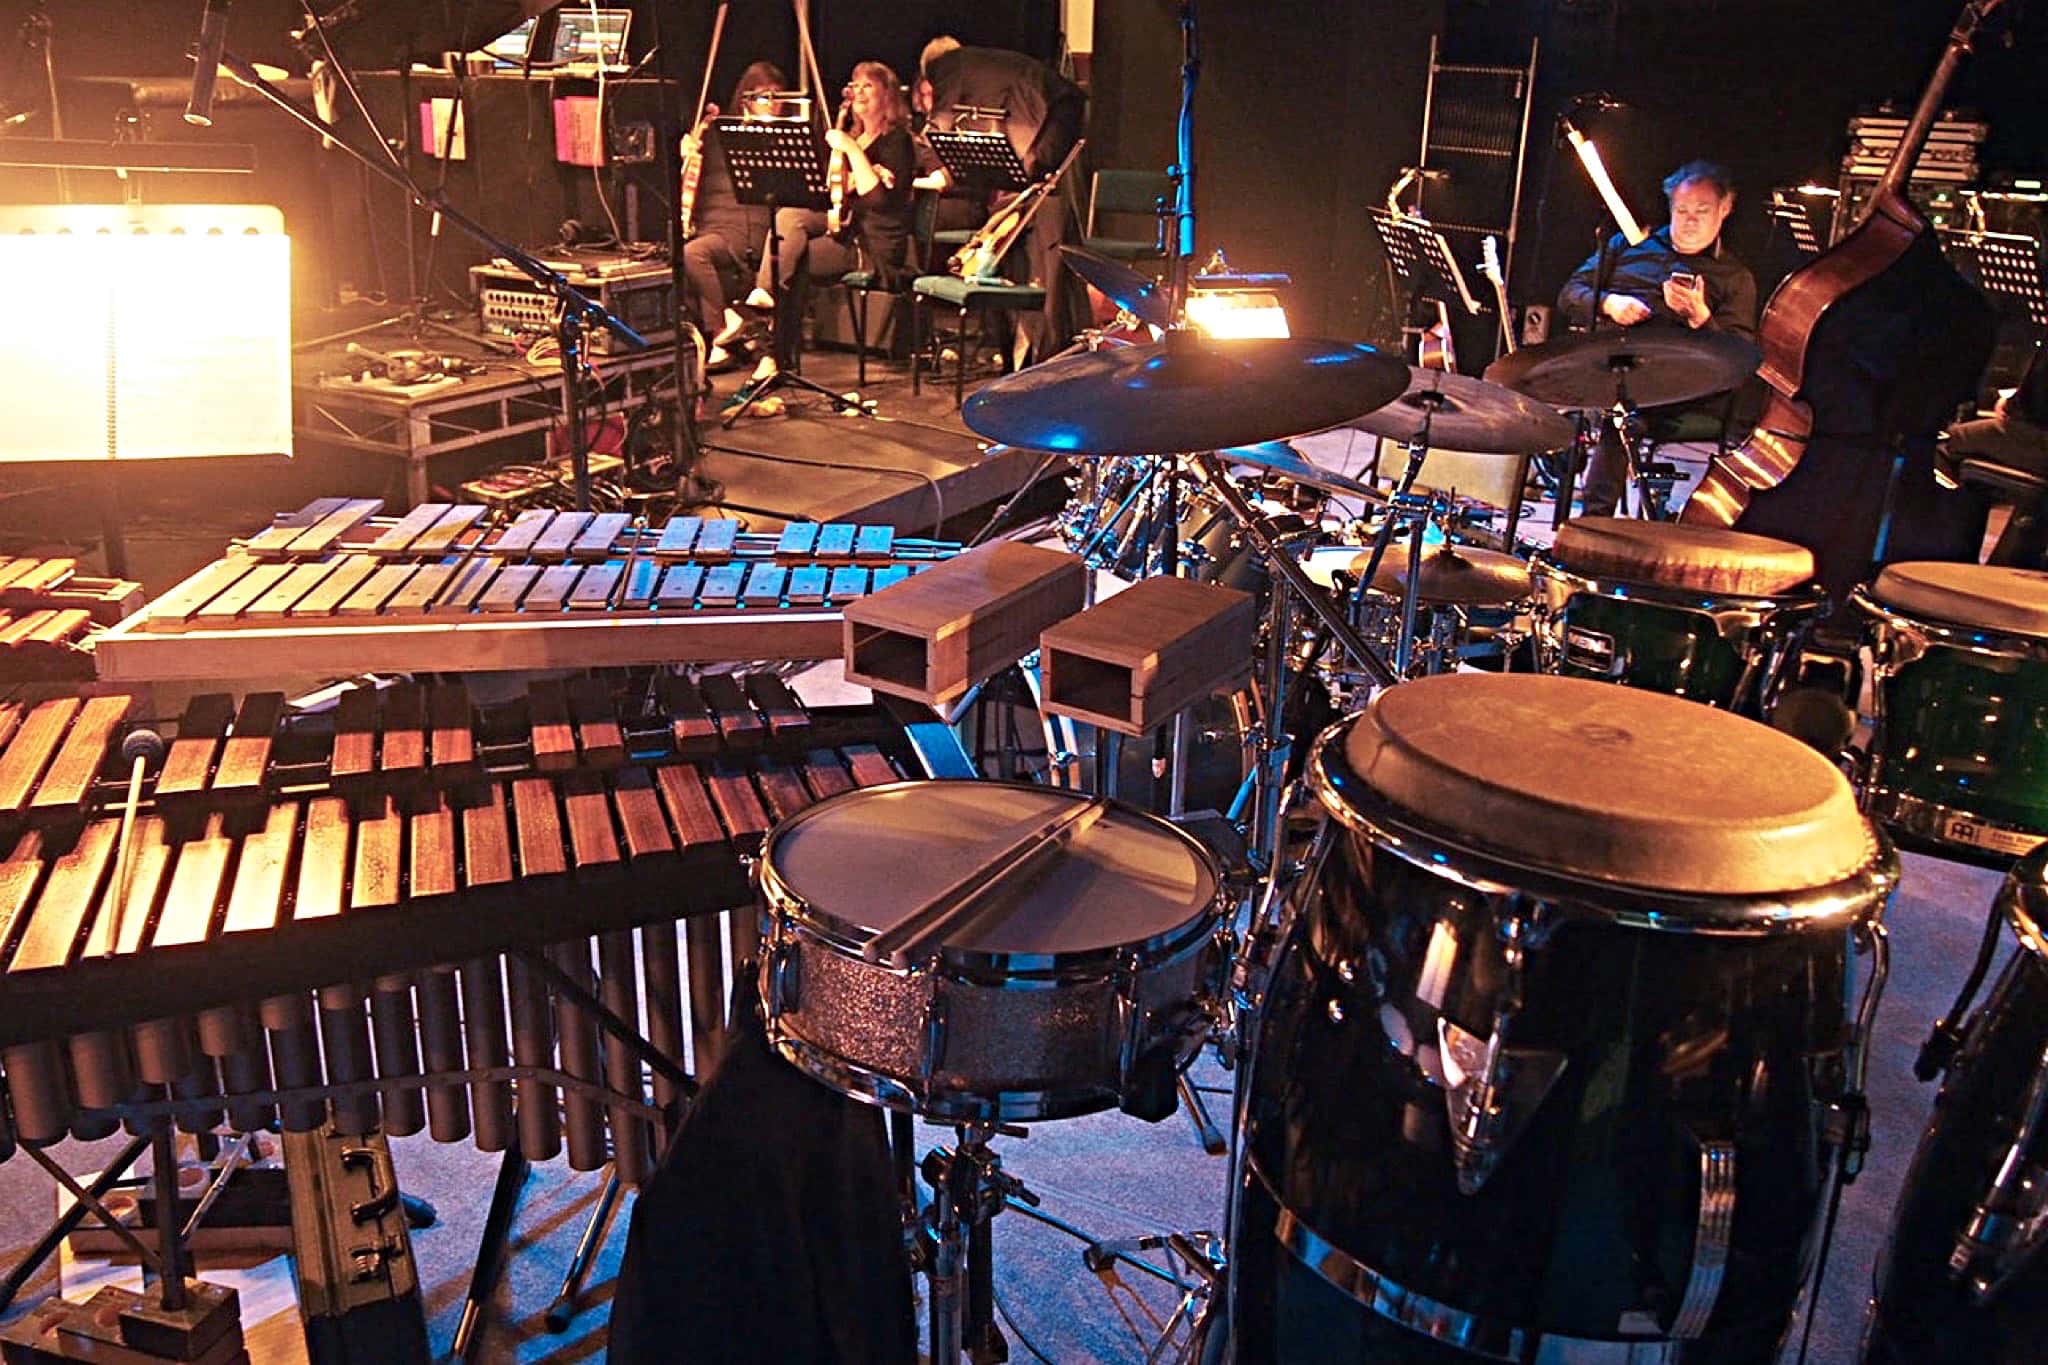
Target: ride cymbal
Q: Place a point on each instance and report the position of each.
(1650, 365)
(1187, 393)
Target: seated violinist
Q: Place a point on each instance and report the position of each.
(726, 235)
(875, 202)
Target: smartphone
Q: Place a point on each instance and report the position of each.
(1685, 277)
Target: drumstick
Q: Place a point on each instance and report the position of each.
(913, 936)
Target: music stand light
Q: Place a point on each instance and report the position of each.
(157, 333)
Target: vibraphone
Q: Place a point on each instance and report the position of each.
(332, 587)
(47, 610)
(443, 863)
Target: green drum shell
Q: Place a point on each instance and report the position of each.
(1683, 642)
(1959, 752)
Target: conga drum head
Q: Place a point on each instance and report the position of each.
(864, 861)
(1082, 979)
(1981, 596)
(1606, 784)
(1672, 554)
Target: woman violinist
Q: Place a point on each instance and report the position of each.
(879, 164)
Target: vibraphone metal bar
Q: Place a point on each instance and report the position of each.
(330, 587)
(399, 843)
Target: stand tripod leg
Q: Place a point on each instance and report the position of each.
(563, 1310)
(1206, 1131)
(490, 1252)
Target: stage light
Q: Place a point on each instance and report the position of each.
(141, 333)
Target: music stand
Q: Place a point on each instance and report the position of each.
(1798, 221)
(980, 162)
(1419, 254)
(773, 164)
(2003, 263)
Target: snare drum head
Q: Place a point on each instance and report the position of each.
(863, 861)
(1982, 596)
(1609, 784)
(1675, 555)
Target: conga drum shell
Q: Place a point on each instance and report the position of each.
(1547, 1052)
(1986, 596)
(1690, 611)
(1090, 962)
(1924, 1312)
(1676, 555)
(1959, 751)
(1615, 785)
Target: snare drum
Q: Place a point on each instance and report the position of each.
(1959, 751)
(1083, 983)
(1965, 1278)
(1551, 1047)
(1694, 611)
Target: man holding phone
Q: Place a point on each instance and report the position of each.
(1680, 275)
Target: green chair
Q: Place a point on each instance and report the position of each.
(862, 282)
(1126, 195)
(978, 295)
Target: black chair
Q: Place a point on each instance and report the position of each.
(1127, 194)
(864, 281)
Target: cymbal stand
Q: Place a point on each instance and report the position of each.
(1264, 842)
(1418, 450)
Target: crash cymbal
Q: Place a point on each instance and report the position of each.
(1453, 575)
(1139, 295)
(1469, 414)
(1658, 364)
(1278, 457)
(1187, 393)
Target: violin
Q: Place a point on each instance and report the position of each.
(837, 173)
(693, 170)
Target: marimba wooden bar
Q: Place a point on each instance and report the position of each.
(343, 902)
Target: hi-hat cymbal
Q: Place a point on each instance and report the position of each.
(1657, 364)
(1463, 413)
(1454, 576)
(1138, 295)
(1187, 393)
(1278, 457)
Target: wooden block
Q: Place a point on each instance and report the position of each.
(1131, 662)
(933, 636)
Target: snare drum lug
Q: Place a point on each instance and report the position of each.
(934, 1037)
(784, 977)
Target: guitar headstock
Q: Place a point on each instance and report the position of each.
(1489, 262)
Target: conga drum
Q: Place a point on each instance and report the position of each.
(1559, 1043)
(1693, 611)
(1959, 751)
(1082, 978)
(1965, 1276)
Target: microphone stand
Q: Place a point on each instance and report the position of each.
(576, 312)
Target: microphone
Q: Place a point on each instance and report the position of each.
(213, 36)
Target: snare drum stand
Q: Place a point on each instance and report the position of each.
(969, 1188)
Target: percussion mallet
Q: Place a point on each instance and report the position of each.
(142, 748)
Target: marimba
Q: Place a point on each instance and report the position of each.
(333, 588)
(47, 611)
(389, 905)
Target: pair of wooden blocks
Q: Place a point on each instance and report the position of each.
(1126, 664)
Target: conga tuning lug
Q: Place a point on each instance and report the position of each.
(1490, 1094)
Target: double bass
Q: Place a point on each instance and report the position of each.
(1867, 350)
